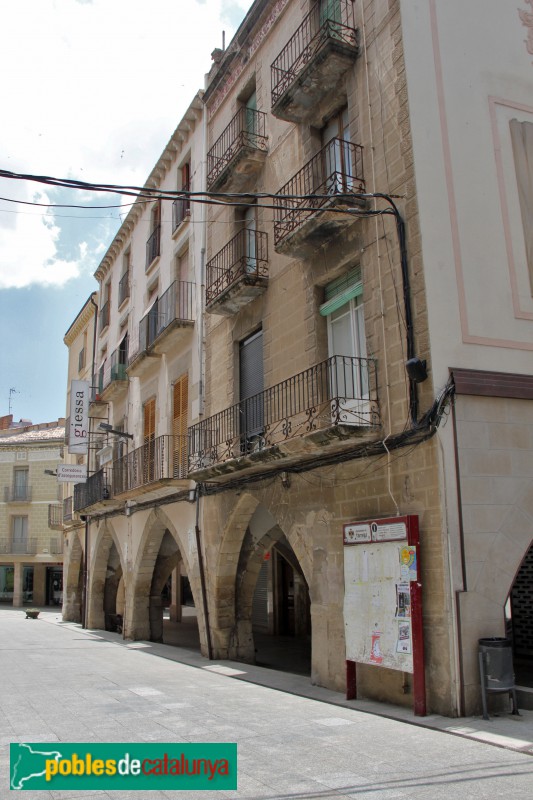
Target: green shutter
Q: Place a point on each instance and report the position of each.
(341, 291)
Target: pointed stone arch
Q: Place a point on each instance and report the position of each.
(239, 560)
(106, 573)
(152, 567)
(73, 579)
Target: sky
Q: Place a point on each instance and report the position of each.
(91, 90)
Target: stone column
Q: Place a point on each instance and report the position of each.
(39, 585)
(175, 600)
(17, 585)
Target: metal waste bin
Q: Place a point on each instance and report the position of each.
(496, 669)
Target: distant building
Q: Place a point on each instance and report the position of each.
(31, 531)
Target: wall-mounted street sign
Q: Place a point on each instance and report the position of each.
(72, 473)
(78, 433)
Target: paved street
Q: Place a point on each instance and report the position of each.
(62, 684)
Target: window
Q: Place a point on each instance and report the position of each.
(19, 529)
(247, 219)
(250, 390)
(82, 358)
(344, 311)
(149, 441)
(20, 483)
(104, 310)
(153, 249)
(180, 407)
(522, 142)
(337, 160)
(181, 207)
(124, 283)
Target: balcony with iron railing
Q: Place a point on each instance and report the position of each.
(238, 155)
(123, 288)
(24, 546)
(113, 378)
(104, 317)
(181, 209)
(238, 273)
(322, 409)
(17, 493)
(153, 247)
(157, 468)
(55, 516)
(96, 494)
(306, 74)
(333, 183)
(69, 516)
(162, 329)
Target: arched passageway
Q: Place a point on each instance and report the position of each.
(163, 609)
(106, 584)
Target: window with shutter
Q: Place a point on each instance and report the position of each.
(149, 441)
(179, 426)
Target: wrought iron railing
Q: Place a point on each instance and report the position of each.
(67, 509)
(114, 369)
(336, 170)
(153, 245)
(55, 515)
(328, 20)
(96, 489)
(340, 390)
(124, 288)
(104, 316)
(247, 129)
(161, 458)
(17, 494)
(176, 304)
(18, 546)
(181, 208)
(244, 255)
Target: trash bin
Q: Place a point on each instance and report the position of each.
(496, 669)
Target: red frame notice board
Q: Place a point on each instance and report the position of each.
(383, 600)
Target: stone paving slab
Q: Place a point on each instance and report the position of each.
(59, 683)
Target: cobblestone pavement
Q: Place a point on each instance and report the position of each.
(59, 683)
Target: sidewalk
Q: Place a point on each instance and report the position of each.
(503, 730)
(60, 683)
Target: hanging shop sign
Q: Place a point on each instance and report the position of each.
(78, 434)
(72, 473)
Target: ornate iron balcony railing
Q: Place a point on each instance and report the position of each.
(176, 304)
(55, 515)
(328, 19)
(160, 459)
(17, 494)
(123, 288)
(336, 170)
(244, 255)
(67, 509)
(96, 489)
(246, 130)
(153, 246)
(340, 390)
(18, 546)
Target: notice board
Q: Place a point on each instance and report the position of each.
(382, 596)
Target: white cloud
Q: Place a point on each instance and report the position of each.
(95, 90)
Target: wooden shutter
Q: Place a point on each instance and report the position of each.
(149, 441)
(179, 426)
(251, 385)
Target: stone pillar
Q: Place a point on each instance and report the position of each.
(175, 600)
(17, 585)
(39, 585)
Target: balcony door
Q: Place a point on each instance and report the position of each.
(251, 388)
(250, 239)
(348, 375)
(148, 465)
(337, 163)
(20, 484)
(20, 534)
(251, 116)
(179, 426)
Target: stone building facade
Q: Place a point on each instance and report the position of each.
(31, 530)
(340, 306)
